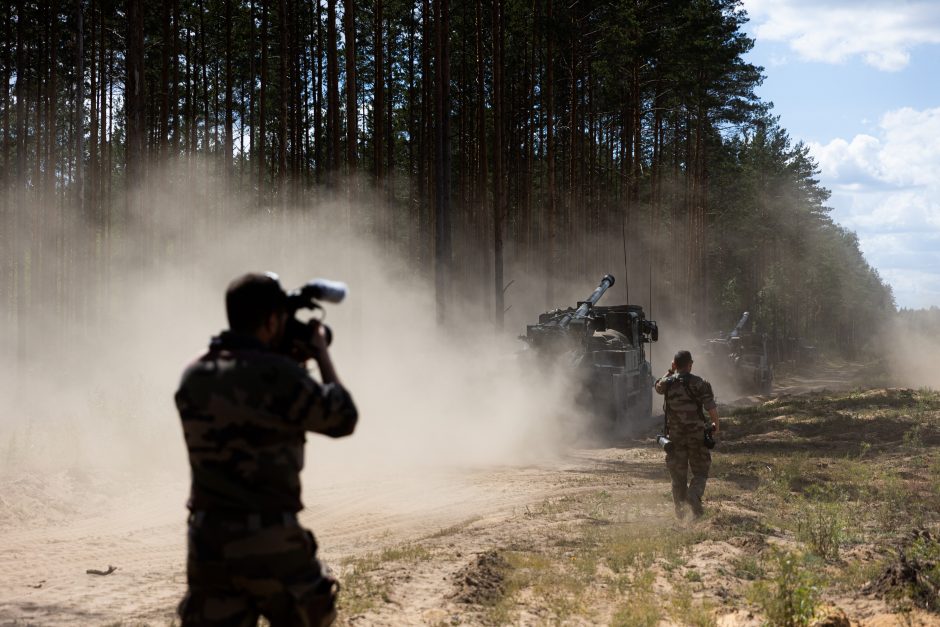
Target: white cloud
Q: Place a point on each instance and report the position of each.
(906, 153)
(881, 32)
(853, 162)
(886, 187)
(912, 146)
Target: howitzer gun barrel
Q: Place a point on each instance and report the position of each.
(585, 307)
(736, 331)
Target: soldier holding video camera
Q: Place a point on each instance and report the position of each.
(688, 438)
(245, 407)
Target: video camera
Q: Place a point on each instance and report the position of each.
(298, 336)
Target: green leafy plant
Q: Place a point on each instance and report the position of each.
(914, 437)
(748, 567)
(791, 596)
(685, 611)
(822, 526)
(923, 561)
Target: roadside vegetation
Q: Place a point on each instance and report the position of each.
(816, 502)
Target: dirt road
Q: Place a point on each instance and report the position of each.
(55, 527)
(586, 537)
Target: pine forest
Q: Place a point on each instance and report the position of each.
(484, 140)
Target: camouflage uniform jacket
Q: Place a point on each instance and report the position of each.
(682, 415)
(245, 412)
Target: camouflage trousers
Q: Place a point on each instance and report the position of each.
(242, 567)
(688, 453)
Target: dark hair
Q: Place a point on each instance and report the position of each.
(683, 360)
(251, 299)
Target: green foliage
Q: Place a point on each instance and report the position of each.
(685, 611)
(641, 607)
(914, 437)
(638, 611)
(822, 290)
(822, 526)
(362, 588)
(650, 101)
(627, 547)
(748, 567)
(549, 579)
(923, 560)
(791, 596)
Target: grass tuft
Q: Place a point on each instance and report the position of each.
(789, 598)
(822, 526)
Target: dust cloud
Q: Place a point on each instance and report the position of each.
(908, 355)
(94, 389)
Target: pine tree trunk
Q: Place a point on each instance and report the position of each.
(102, 173)
(442, 239)
(208, 127)
(552, 254)
(52, 113)
(20, 89)
(378, 103)
(165, 81)
(332, 78)
(174, 124)
(38, 86)
(252, 51)
(190, 131)
(79, 107)
(424, 212)
(134, 96)
(284, 99)
(528, 181)
(318, 99)
(262, 105)
(412, 124)
(482, 168)
(352, 107)
(92, 199)
(390, 122)
(498, 210)
(5, 72)
(20, 250)
(229, 144)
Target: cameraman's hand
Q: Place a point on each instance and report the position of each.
(317, 338)
(318, 345)
(309, 343)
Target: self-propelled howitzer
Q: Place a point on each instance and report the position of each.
(604, 349)
(742, 356)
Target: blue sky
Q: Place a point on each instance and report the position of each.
(859, 82)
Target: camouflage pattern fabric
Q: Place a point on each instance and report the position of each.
(686, 430)
(688, 453)
(241, 568)
(681, 408)
(245, 410)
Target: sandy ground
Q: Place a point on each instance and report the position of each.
(54, 526)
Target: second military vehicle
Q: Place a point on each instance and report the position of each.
(744, 358)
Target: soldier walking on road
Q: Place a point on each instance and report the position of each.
(246, 407)
(687, 398)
